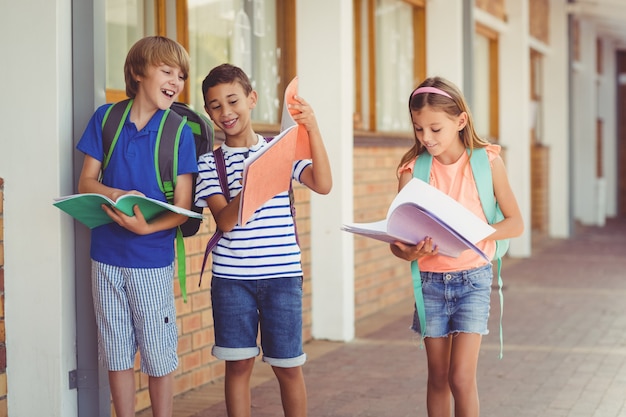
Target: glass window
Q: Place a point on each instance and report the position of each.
(390, 62)
(252, 34)
(485, 105)
(126, 23)
(240, 32)
(480, 105)
(394, 64)
(536, 114)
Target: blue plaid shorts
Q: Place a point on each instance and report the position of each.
(135, 310)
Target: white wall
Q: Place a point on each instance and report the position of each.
(514, 55)
(330, 90)
(556, 120)
(36, 164)
(584, 135)
(607, 110)
(444, 37)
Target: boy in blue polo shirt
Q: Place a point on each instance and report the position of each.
(132, 259)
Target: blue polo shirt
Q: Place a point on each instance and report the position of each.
(131, 167)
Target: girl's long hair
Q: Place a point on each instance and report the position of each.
(453, 106)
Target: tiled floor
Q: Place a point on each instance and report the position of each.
(192, 403)
(564, 347)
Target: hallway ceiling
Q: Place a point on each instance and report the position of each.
(609, 16)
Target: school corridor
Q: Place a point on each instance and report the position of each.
(564, 347)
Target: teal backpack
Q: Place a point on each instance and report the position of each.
(481, 169)
(166, 159)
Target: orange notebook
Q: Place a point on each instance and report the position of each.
(268, 172)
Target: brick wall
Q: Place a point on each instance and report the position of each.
(3, 353)
(496, 8)
(539, 22)
(539, 156)
(381, 279)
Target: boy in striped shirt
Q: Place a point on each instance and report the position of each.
(256, 271)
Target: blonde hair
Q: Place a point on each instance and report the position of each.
(152, 51)
(451, 102)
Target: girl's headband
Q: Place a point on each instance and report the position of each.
(433, 90)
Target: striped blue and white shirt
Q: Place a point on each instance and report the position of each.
(266, 246)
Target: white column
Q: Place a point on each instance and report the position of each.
(444, 38)
(515, 113)
(325, 69)
(36, 154)
(607, 110)
(556, 120)
(584, 134)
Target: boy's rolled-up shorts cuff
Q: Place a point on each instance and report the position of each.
(287, 362)
(235, 354)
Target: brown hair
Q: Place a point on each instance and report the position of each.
(453, 106)
(226, 74)
(152, 51)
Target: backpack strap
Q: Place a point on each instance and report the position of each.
(166, 169)
(201, 127)
(112, 124)
(167, 172)
(481, 169)
(421, 170)
(166, 152)
(222, 176)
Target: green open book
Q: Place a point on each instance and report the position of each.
(87, 208)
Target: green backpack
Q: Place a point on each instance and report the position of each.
(166, 159)
(481, 169)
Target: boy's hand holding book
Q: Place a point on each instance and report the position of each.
(88, 209)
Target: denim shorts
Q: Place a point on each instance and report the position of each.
(456, 302)
(241, 307)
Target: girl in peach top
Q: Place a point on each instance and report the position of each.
(456, 291)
